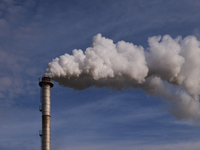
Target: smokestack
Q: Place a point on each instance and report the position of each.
(45, 85)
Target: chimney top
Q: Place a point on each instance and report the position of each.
(45, 80)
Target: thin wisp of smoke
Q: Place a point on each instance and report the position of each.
(168, 68)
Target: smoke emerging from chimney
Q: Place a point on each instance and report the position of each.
(168, 68)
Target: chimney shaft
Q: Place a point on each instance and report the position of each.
(45, 85)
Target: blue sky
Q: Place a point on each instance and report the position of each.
(33, 32)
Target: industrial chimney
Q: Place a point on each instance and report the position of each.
(45, 84)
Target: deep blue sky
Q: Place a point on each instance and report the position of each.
(33, 32)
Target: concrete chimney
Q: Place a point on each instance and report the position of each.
(45, 84)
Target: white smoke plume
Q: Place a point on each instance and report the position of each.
(168, 68)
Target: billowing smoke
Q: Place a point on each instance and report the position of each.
(168, 68)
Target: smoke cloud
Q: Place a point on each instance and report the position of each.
(168, 68)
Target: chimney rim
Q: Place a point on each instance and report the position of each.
(45, 80)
